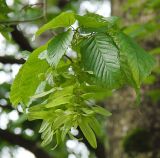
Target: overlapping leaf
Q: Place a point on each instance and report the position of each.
(65, 19)
(135, 62)
(100, 55)
(92, 22)
(4, 10)
(28, 79)
(58, 46)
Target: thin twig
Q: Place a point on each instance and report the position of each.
(31, 5)
(68, 58)
(45, 10)
(20, 21)
(53, 33)
(73, 28)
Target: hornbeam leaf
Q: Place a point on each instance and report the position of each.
(65, 19)
(27, 79)
(92, 22)
(58, 46)
(136, 63)
(100, 55)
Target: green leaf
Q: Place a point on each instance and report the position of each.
(88, 133)
(4, 8)
(136, 63)
(97, 96)
(27, 79)
(100, 55)
(95, 92)
(87, 111)
(65, 19)
(101, 111)
(6, 35)
(92, 22)
(58, 46)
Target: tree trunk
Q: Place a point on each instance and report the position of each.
(125, 116)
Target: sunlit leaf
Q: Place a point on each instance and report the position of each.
(27, 79)
(65, 19)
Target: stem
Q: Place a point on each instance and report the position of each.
(45, 10)
(73, 28)
(31, 5)
(68, 58)
(20, 21)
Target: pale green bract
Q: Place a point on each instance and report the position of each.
(88, 133)
(106, 59)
